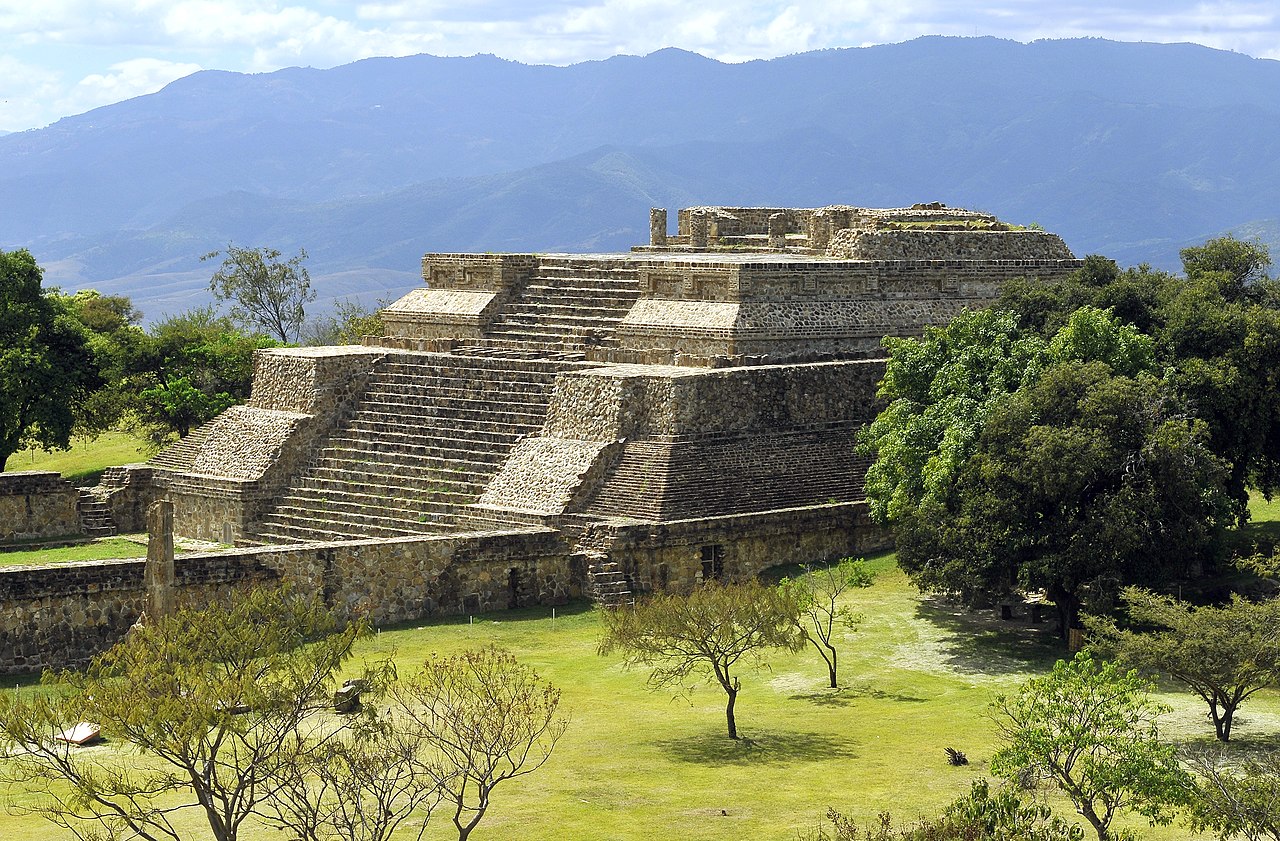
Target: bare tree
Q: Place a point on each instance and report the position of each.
(817, 595)
(488, 718)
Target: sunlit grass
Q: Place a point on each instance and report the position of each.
(84, 462)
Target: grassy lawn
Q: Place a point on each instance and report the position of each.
(84, 462)
(104, 549)
(918, 677)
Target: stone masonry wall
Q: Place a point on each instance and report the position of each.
(670, 555)
(854, 244)
(633, 401)
(37, 504)
(60, 615)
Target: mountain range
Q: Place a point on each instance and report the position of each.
(1132, 150)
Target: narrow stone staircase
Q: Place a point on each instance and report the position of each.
(607, 583)
(95, 515)
(424, 439)
(570, 304)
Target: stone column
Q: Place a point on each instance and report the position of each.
(777, 230)
(159, 576)
(657, 226)
(698, 225)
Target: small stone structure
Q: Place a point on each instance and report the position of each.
(37, 505)
(537, 426)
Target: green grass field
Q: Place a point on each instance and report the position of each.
(103, 549)
(917, 677)
(84, 462)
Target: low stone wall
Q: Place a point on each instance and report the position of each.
(854, 244)
(60, 615)
(670, 556)
(37, 504)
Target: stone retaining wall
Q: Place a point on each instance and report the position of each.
(37, 504)
(670, 555)
(60, 615)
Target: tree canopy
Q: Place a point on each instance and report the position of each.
(1091, 730)
(1215, 333)
(213, 698)
(1009, 460)
(1224, 653)
(46, 365)
(708, 632)
(264, 290)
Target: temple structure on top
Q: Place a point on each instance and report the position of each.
(598, 423)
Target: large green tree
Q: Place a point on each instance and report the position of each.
(1215, 329)
(1007, 461)
(46, 367)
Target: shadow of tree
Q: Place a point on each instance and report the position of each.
(979, 642)
(844, 695)
(771, 747)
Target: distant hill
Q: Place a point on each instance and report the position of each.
(1133, 150)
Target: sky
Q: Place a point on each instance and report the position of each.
(64, 57)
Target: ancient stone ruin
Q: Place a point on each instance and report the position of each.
(537, 426)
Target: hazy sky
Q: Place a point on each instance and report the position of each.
(62, 57)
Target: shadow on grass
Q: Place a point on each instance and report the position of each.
(982, 643)
(756, 747)
(844, 695)
(519, 614)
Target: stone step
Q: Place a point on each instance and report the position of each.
(425, 455)
(393, 490)
(452, 412)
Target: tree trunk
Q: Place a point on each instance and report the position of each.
(831, 665)
(1068, 607)
(1096, 822)
(728, 712)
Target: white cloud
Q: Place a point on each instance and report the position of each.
(124, 80)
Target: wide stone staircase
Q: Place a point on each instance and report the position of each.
(570, 304)
(423, 440)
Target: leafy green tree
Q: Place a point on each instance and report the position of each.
(1236, 798)
(708, 632)
(487, 717)
(264, 290)
(1224, 654)
(220, 703)
(1216, 331)
(1092, 731)
(1240, 264)
(817, 595)
(46, 366)
(1005, 461)
(193, 366)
